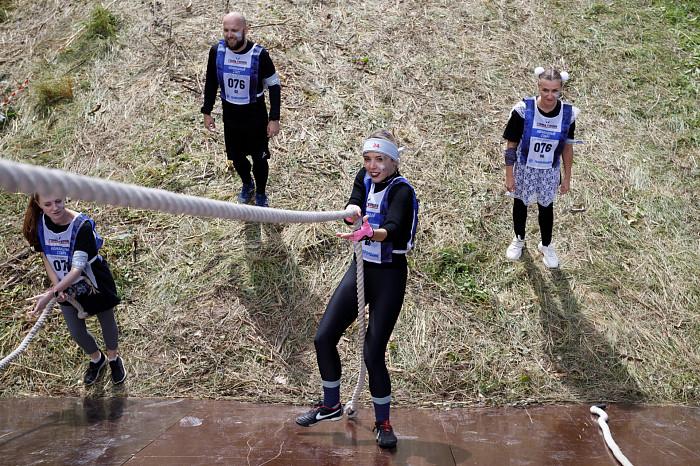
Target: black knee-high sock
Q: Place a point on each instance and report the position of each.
(546, 220)
(519, 217)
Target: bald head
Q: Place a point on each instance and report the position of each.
(235, 31)
(237, 17)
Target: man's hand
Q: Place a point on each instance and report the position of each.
(209, 123)
(273, 128)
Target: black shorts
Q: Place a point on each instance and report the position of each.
(241, 143)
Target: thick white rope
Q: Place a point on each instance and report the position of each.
(352, 408)
(29, 179)
(37, 326)
(602, 421)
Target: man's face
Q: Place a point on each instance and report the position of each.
(235, 33)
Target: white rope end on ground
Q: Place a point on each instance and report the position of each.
(602, 421)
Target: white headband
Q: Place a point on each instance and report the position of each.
(383, 147)
(564, 75)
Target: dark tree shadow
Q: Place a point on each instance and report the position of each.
(277, 296)
(589, 364)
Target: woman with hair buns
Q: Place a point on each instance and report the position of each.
(540, 137)
(69, 246)
(389, 209)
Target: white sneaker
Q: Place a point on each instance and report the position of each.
(548, 256)
(515, 249)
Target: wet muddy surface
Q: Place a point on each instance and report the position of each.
(138, 431)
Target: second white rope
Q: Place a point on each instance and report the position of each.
(602, 421)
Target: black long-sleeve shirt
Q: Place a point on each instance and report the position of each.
(249, 115)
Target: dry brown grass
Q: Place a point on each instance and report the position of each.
(215, 308)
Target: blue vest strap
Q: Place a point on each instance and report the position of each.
(527, 128)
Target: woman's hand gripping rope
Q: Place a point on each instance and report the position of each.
(44, 299)
(364, 233)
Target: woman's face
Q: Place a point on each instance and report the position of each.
(54, 207)
(549, 92)
(379, 166)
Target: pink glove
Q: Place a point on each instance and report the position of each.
(364, 233)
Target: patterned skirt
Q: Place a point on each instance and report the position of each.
(535, 184)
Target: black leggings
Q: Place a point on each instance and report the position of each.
(240, 144)
(384, 292)
(545, 217)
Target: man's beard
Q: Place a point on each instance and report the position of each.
(238, 44)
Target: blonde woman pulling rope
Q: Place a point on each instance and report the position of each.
(387, 204)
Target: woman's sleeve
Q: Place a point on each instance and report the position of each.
(85, 241)
(514, 128)
(358, 195)
(399, 217)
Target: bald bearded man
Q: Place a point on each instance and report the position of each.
(241, 70)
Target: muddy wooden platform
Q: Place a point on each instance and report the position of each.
(137, 431)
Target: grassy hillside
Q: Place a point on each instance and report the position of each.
(215, 308)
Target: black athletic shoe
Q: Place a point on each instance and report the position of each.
(93, 372)
(385, 434)
(261, 200)
(320, 413)
(246, 192)
(118, 372)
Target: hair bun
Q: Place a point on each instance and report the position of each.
(564, 76)
(539, 70)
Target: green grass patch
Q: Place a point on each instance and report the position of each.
(458, 268)
(6, 6)
(102, 24)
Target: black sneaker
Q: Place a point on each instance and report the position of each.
(320, 413)
(118, 372)
(385, 434)
(246, 192)
(261, 200)
(93, 372)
